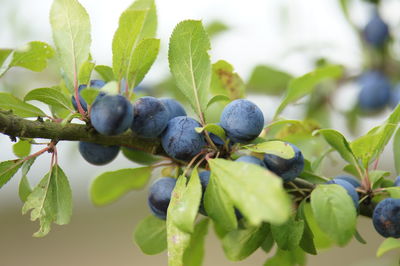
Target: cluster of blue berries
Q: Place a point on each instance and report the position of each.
(376, 91)
(112, 115)
(242, 122)
(386, 216)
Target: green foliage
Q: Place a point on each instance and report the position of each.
(304, 85)
(340, 144)
(307, 239)
(110, 186)
(190, 64)
(89, 95)
(269, 202)
(186, 207)
(50, 96)
(177, 239)
(289, 234)
(194, 253)
(105, 72)
(71, 34)
(218, 206)
(8, 169)
(143, 58)
(278, 148)
(32, 56)
(241, 243)
(50, 201)
(396, 151)
(151, 235)
(132, 55)
(267, 80)
(213, 128)
(139, 156)
(287, 258)
(4, 53)
(9, 102)
(216, 27)
(371, 145)
(334, 212)
(388, 245)
(224, 81)
(85, 72)
(22, 148)
(24, 189)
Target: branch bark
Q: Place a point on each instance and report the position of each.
(15, 126)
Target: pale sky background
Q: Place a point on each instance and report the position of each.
(287, 34)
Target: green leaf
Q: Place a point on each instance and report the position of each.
(151, 235)
(18, 107)
(8, 169)
(85, 72)
(50, 96)
(4, 55)
(177, 239)
(305, 84)
(50, 201)
(218, 98)
(224, 81)
(150, 24)
(268, 242)
(212, 128)
(110, 186)
(359, 238)
(268, 202)
(312, 177)
(376, 177)
(89, 95)
(190, 64)
(142, 59)
(268, 80)
(288, 235)
(111, 88)
(339, 143)
(321, 239)
(396, 151)
(24, 189)
(388, 245)
(345, 9)
(187, 202)
(218, 206)
(241, 243)
(22, 148)
(32, 56)
(394, 192)
(105, 72)
(275, 147)
(125, 39)
(139, 156)
(194, 253)
(307, 239)
(215, 28)
(370, 146)
(136, 23)
(287, 258)
(71, 34)
(334, 212)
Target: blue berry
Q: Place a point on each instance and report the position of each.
(97, 154)
(242, 121)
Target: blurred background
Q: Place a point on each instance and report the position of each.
(289, 35)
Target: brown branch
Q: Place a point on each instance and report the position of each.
(15, 126)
